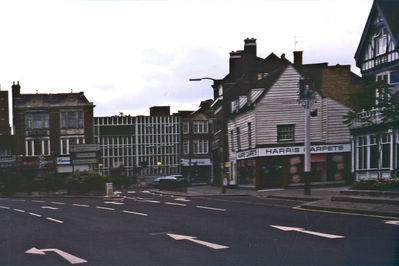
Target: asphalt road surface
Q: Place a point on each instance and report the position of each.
(149, 229)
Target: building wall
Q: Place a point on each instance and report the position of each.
(4, 114)
(137, 144)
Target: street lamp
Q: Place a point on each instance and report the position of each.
(222, 178)
(307, 98)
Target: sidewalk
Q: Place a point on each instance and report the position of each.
(337, 199)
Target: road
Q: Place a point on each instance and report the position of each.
(150, 229)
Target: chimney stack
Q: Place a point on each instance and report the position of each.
(16, 89)
(235, 64)
(298, 58)
(250, 47)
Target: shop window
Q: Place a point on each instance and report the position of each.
(285, 133)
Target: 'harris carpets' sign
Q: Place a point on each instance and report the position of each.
(247, 154)
(293, 150)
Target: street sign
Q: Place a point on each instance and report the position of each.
(85, 154)
(85, 147)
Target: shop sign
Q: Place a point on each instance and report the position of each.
(7, 159)
(247, 154)
(199, 162)
(63, 160)
(294, 150)
(37, 162)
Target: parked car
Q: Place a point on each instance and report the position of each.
(179, 179)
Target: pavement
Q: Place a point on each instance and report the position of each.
(329, 199)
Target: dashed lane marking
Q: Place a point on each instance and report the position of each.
(54, 220)
(343, 213)
(18, 210)
(150, 201)
(80, 205)
(210, 208)
(35, 214)
(136, 213)
(5, 207)
(114, 202)
(105, 208)
(182, 199)
(18, 200)
(59, 203)
(176, 204)
(39, 201)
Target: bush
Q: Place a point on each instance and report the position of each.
(375, 184)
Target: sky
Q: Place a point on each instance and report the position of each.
(127, 56)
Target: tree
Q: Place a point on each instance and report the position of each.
(376, 98)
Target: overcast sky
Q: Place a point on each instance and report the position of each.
(127, 56)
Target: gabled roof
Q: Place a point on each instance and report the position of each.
(389, 10)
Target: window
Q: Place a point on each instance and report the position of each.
(380, 43)
(36, 120)
(200, 127)
(285, 132)
(67, 142)
(200, 146)
(362, 152)
(186, 127)
(238, 138)
(249, 135)
(35, 147)
(386, 150)
(72, 120)
(186, 147)
(373, 150)
(232, 140)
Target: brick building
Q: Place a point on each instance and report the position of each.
(46, 125)
(196, 140)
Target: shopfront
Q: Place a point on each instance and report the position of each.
(284, 166)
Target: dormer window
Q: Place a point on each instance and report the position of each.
(262, 75)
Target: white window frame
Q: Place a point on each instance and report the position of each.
(200, 146)
(31, 142)
(186, 147)
(186, 127)
(80, 139)
(200, 127)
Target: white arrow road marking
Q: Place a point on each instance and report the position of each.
(105, 208)
(285, 228)
(80, 205)
(210, 208)
(5, 207)
(18, 210)
(392, 222)
(54, 220)
(113, 202)
(193, 239)
(176, 204)
(70, 258)
(49, 207)
(136, 213)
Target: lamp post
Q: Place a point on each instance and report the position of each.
(222, 177)
(307, 98)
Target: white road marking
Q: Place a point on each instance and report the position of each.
(193, 239)
(182, 199)
(49, 207)
(35, 214)
(285, 228)
(18, 200)
(68, 257)
(54, 220)
(150, 201)
(5, 207)
(105, 208)
(80, 205)
(176, 204)
(210, 208)
(40, 201)
(392, 222)
(145, 191)
(18, 210)
(136, 213)
(113, 202)
(56, 202)
(131, 192)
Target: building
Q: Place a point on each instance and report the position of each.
(266, 125)
(4, 114)
(196, 139)
(45, 127)
(376, 147)
(139, 145)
